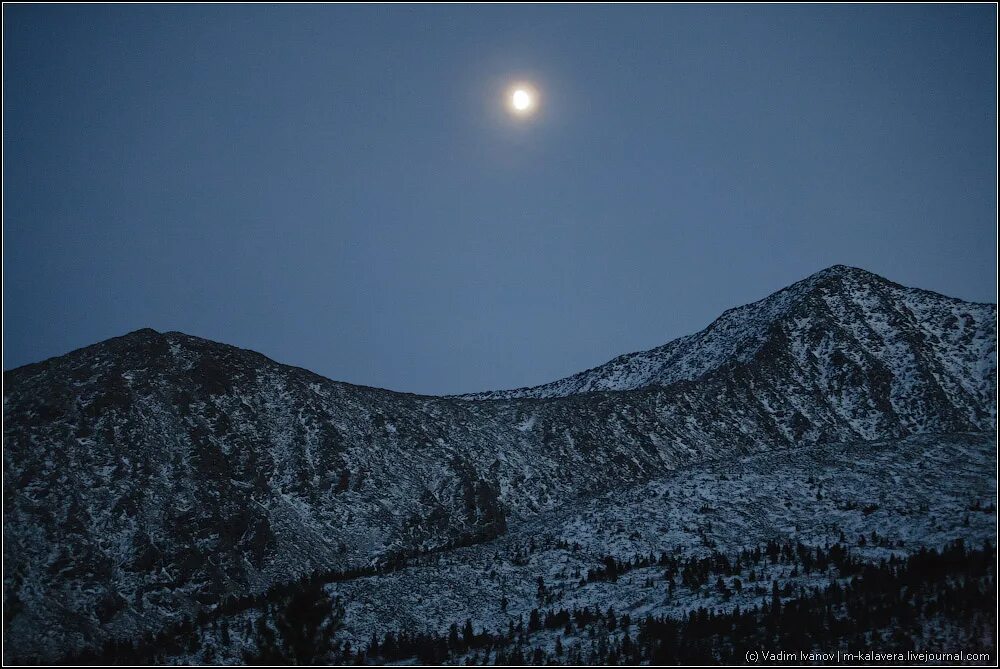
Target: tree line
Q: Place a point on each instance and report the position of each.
(885, 604)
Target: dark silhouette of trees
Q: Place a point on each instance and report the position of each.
(303, 629)
(890, 603)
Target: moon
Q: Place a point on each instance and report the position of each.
(522, 99)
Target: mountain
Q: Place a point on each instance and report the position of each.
(841, 317)
(818, 495)
(151, 477)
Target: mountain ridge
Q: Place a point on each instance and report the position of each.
(837, 270)
(590, 380)
(150, 475)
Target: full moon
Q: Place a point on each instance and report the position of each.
(521, 100)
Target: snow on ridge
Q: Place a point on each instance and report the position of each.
(739, 334)
(166, 455)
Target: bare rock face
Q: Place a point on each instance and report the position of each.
(149, 476)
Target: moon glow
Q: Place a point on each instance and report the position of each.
(522, 100)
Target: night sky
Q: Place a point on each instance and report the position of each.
(342, 188)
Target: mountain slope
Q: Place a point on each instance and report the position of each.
(150, 475)
(933, 343)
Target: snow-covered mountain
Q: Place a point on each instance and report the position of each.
(917, 336)
(150, 476)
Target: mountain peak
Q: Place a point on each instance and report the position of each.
(844, 270)
(838, 308)
(151, 477)
(845, 274)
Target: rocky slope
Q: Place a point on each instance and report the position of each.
(150, 475)
(874, 500)
(839, 321)
(815, 495)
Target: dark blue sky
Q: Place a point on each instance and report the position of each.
(340, 188)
